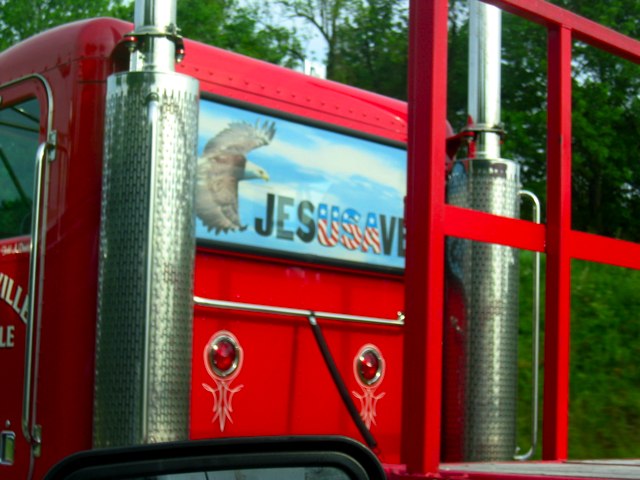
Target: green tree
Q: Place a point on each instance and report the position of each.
(524, 99)
(224, 23)
(327, 17)
(606, 109)
(20, 19)
(366, 40)
(605, 342)
(605, 128)
(457, 71)
(247, 29)
(371, 49)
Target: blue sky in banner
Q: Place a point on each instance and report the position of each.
(364, 179)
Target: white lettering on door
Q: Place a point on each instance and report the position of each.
(6, 336)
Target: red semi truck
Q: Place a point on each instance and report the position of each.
(284, 243)
(316, 295)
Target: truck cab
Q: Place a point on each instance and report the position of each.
(331, 248)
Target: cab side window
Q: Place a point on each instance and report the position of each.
(19, 134)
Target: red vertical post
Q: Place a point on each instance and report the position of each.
(424, 273)
(558, 292)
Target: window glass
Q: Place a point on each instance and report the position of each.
(19, 135)
(269, 473)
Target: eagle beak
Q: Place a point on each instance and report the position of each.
(265, 176)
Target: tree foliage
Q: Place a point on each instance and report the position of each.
(604, 376)
(606, 116)
(606, 122)
(605, 343)
(524, 99)
(371, 51)
(246, 29)
(327, 17)
(20, 19)
(457, 71)
(366, 40)
(227, 24)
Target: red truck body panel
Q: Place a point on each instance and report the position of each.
(286, 389)
(66, 355)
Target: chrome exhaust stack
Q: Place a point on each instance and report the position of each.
(147, 246)
(479, 419)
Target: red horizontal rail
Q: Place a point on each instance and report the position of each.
(486, 227)
(596, 248)
(582, 28)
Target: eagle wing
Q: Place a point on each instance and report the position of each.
(221, 167)
(240, 138)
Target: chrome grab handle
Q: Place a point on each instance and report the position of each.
(41, 172)
(34, 264)
(296, 312)
(535, 356)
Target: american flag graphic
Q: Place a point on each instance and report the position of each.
(371, 234)
(350, 220)
(323, 236)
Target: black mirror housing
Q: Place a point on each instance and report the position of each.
(308, 457)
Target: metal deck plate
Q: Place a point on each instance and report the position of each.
(602, 469)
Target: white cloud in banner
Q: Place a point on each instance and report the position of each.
(256, 192)
(335, 160)
(209, 126)
(356, 162)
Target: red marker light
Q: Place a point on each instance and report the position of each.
(369, 366)
(224, 355)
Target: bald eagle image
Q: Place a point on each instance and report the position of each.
(222, 166)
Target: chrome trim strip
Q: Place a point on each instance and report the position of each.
(295, 312)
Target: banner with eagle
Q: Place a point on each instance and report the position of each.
(284, 187)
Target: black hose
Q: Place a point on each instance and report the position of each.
(342, 389)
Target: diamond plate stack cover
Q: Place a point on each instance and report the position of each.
(488, 335)
(147, 248)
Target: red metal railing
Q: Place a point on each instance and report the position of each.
(424, 214)
(429, 220)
